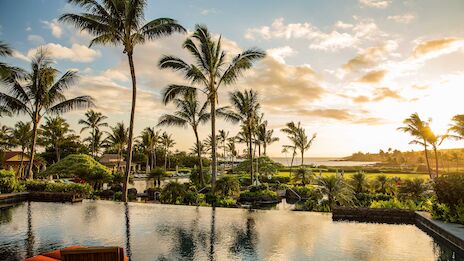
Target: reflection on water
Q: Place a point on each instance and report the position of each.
(163, 232)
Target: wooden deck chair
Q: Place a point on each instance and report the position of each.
(93, 254)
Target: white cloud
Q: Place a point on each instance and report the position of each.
(77, 52)
(206, 12)
(281, 53)
(54, 26)
(35, 39)
(375, 3)
(363, 30)
(19, 55)
(28, 29)
(403, 19)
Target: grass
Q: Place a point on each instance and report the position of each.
(369, 175)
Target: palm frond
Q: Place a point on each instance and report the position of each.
(79, 102)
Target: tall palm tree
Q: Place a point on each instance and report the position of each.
(5, 138)
(7, 72)
(266, 136)
(54, 133)
(149, 140)
(21, 136)
(189, 113)
(120, 22)
(435, 141)
(167, 143)
(41, 92)
(291, 129)
(96, 141)
(117, 139)
(417, 128)
(246, 108)
(94, 121)
(223, 136)
(210, 70)
(232, 150)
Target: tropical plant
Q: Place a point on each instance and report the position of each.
(232, 150)
(94, 121)
(336, 190)
(297, 135)
(120, 22)
(210, 70)
(117, 139)
(148, 142)
(457, 127)
(54, 133)
(304, 175)
(246, 107)
(39, 93)
(167, 142)
(173, 193)
(5, 137)
(189, 113)
(157, 174)
(359, 182)
(381, 184)
(228, 186)
(8, 182)
(222, 137)
(7, 72)
(21, 137)
(417, 128)
(412, 189)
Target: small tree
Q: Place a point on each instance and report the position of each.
(157, 174)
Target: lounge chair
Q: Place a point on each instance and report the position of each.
(79, 253)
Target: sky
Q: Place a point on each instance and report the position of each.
(349, 70)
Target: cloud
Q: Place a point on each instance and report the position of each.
(358, 117)
(19, 55)
(375, 3)
(379, 94)
(28, 29)
(370, 56)
(281, 53)
(403, 19)
(282, 85)
(437, 47)
(54, 26)
(77, 52)
(206, 12)
(373, 76)
(334, 40)
(35, 39)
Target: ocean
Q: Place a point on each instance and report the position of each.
(321, 161)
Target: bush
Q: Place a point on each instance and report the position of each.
(195, 177)
(412, 189)
(366, 199)
(81, 190)
(225, 202)
(306, 191)
(395, 203)
(228, 186)
(265, 165)
(173, 193)
(118, 196)
(34, 185)
(260, 195)
(450, 189)
(8, 182)
(81, 166)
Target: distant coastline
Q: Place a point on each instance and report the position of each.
(323, 161)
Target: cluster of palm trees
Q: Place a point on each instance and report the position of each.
(424, 136)
(301, 142)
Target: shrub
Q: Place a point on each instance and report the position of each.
(225, 202)
(228, 186)
(306, 191)
(260, 195)
(412, 189)
(303, 175)
(118, 196)
(34, 185)
(265, 165)
(195, 177)
(8, 182)
(81, 166)
(81, 190)
(450, 189)
(173, 193)
(395, 203)
(366, 199)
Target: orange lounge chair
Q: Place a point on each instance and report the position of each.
(79, 253)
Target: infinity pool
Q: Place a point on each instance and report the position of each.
(164, 232)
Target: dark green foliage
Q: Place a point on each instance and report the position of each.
(81, 190)
(359, 182)
(258, 193)
(158, 174)
(8, 182)
(176, 193)
(195, 177)
(449, 190)
(366, 199)
(266, 166)
(412, 189)
(228, 186)
(79, 166)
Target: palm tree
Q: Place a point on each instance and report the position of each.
(298, 137)
(117, 139)
(435, 141)
(5, 138)
(148, 142)
(54, 133)
(266, 136)
(418, 129)
(96, 141)
(167, 142)
(223, 136)
(22, 137)
(359, 182)
(120, 22)
(7, 72)
(232, 150)
(189, 113)
(381, 183)
(336, 190)
(210, 70)
(291, 129)
(457, 127)
(246, 107)
(39, 93)
(94, 121)
(456, 157)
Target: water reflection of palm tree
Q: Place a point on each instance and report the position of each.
(212, 238)
(246, 240)
(30, 233)
(128, 244)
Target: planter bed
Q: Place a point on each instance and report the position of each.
(376, 215)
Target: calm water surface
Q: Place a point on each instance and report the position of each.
(164, 232)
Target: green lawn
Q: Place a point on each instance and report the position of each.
(369, 175)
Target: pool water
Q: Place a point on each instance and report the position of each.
(166, 232)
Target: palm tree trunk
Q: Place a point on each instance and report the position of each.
(200, 161)
(302, 158)
(213, 142)
(30, 174)
(131, 126)
(57, 151)
(427, 158)
(165, 158)
(147, 164)
(251, 155)
(20, 170)
(436, 159)
(264, 148)
(291, 162)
